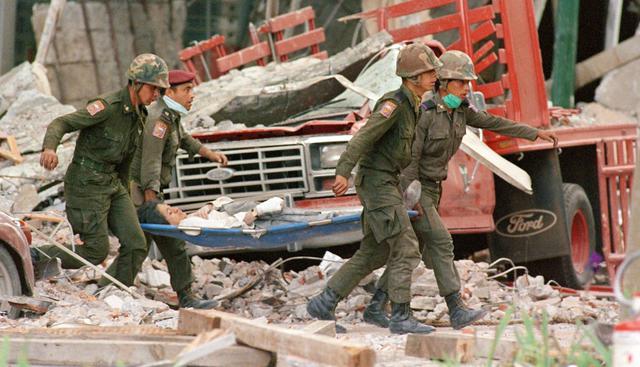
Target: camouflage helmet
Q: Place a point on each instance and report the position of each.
(415, 59)
(149, 69)
(456, 65)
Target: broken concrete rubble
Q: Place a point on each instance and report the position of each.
(619, 89)
(74, 302)
(255, 95)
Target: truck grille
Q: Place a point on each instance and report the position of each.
(259, 171)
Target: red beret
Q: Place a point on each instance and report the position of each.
(180, 76)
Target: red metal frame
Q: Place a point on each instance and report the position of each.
(616, 162)
(519, 94)
(311, 38)
(209, 60)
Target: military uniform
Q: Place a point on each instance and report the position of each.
(96, 182)
(384, 143)
(152, 169)
(438, 137)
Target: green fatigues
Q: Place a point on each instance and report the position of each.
(163, 135)
(383, 148)
(97, 199)
(438, 137)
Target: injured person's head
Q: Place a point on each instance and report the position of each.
(159, 213)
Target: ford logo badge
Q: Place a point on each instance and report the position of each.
(220, 174)
(526, 223)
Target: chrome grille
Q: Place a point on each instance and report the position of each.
(259, 171)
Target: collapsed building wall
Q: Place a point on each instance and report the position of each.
(95, 42)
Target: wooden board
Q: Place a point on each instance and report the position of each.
(599, 64)
(458, 346)
(315, 348)
(443, 346)
(108, 352)
(321, 327)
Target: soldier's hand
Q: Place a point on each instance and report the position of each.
(549, 136)
(218, 157)
(340, 185)
(420, 211)
(150, 195)
(49, 159)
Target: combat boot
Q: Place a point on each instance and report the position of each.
(187, 298)
(459, 314)
(375, 312)
(323, 307)
(402, 322)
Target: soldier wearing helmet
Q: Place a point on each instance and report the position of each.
(382, 147)
(439, 132)
(152, 168)
(97, 180)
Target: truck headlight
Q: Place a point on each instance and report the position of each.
(330, 154)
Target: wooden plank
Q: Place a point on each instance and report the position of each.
(445, 346)
(11, 156)
(316, 348)
(108, 352)
(458, 346)
(322, 327)
(598, 65)
(48, 33)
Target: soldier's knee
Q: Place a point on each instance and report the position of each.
(96, 249)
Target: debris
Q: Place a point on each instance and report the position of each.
(457, 347)
(315, 348)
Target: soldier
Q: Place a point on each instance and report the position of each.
(96, 182)
(439, 133)
(163, 135)
(383, 149)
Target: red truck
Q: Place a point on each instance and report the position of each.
(16, 271)
(580, 205)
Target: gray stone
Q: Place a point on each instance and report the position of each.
(212, 290)
(620, 90)
(423, 303)
(26, 199)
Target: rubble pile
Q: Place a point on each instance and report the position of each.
(258, 88)
(26, 109)
(259, 290)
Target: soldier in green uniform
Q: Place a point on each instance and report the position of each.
(152, 168)
(382, 147)
(96, 183)
(439, 133)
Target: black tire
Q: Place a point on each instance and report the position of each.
(573, 270)
(9, 281)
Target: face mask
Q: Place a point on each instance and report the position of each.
(175, 105)
(452, 101)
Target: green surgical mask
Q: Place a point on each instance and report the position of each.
(452, 101)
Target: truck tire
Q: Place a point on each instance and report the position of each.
(582, 232)
(573, 270)
(9, 282)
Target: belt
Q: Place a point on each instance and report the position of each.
(94, 165)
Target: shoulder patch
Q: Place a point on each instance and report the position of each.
(428, 105)
(159, 130)
(387, 108)
(94, 107)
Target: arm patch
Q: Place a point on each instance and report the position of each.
(94, 107)
(387, 108)
(159, 130)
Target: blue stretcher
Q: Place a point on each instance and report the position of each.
(268, 238)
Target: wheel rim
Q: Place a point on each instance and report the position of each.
(6, 286)
(579, 242)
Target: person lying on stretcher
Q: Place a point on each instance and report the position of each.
(226, 213)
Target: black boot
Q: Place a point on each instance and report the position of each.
(459, 314)
(402, 322)
(323, 307)
(375, 312)
(187, 298)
